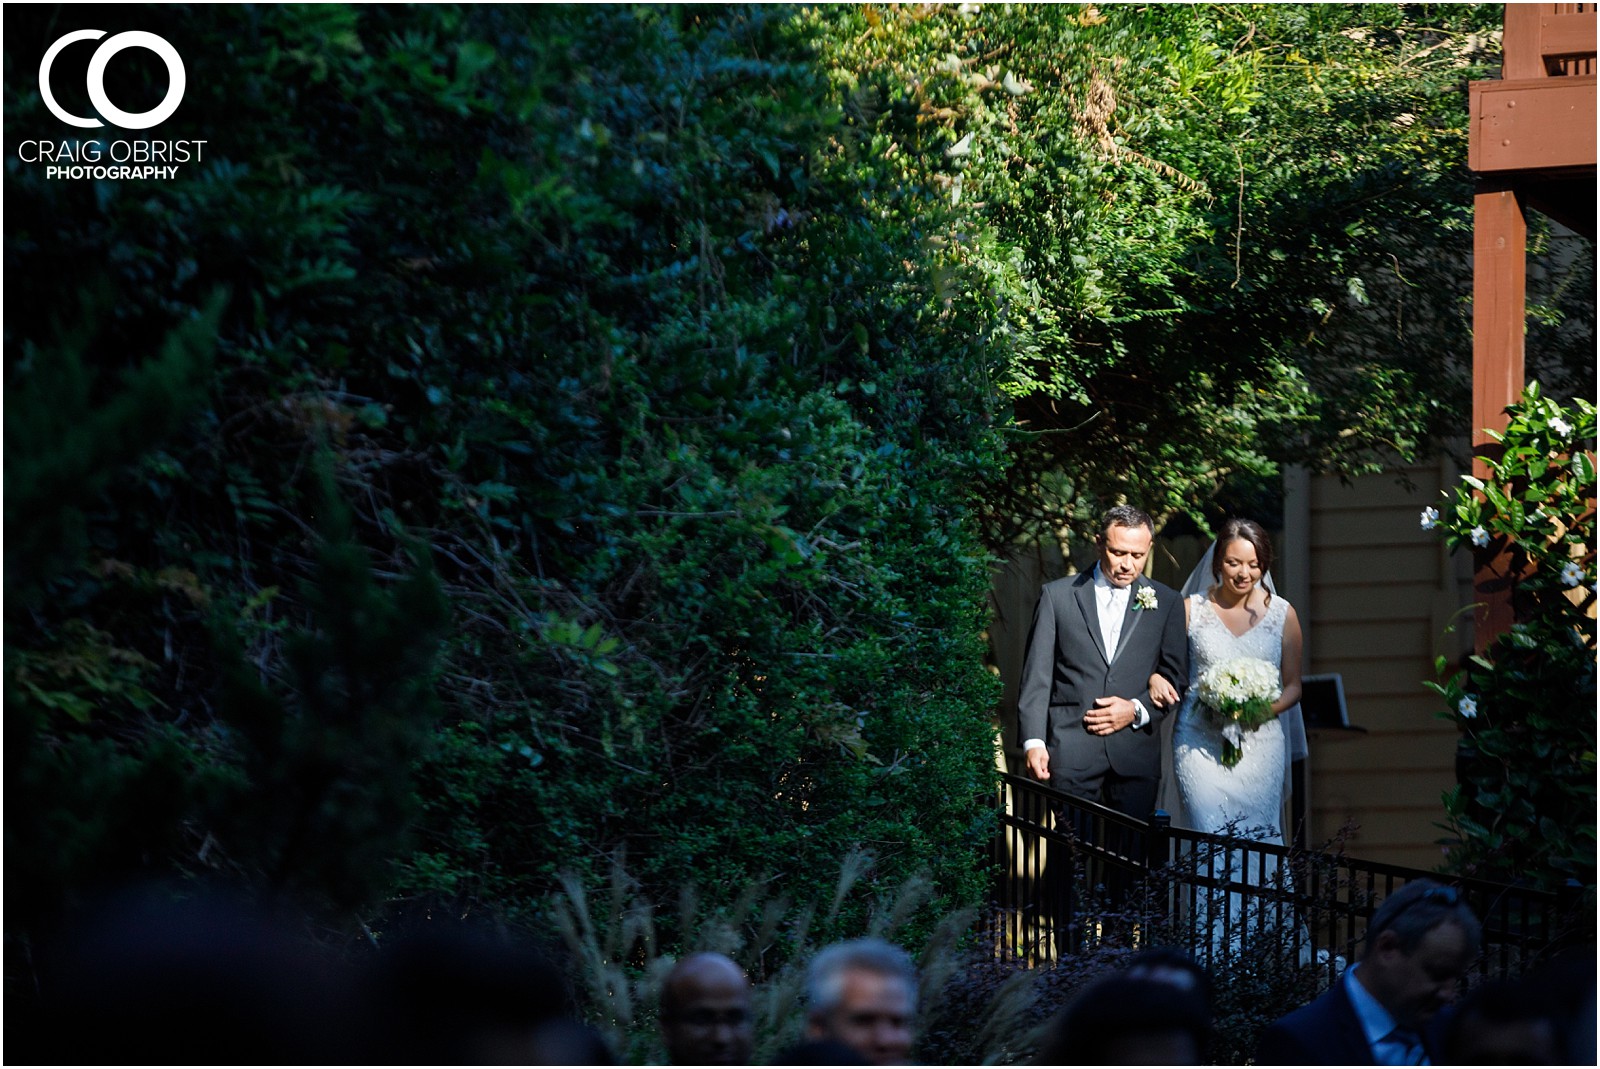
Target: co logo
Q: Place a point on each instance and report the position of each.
(128, 120)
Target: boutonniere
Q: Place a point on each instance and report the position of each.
(1145, 598)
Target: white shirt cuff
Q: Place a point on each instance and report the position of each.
(1032, 744)
(1141, 715)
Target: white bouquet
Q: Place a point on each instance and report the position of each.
(1238, 695)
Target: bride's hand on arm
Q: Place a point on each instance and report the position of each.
(1162, 693)
(1290, 663)
(1162, 690)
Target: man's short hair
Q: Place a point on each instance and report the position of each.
(1125, 516)
(826, 975)
(672, 988)
(1172, 965)
(1417, 909)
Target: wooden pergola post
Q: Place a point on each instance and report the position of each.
(1532, 144)
(1499, 310)
(1499, 305)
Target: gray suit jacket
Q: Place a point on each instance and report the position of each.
(1067, 668)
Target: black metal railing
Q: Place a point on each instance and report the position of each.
(1073, 874)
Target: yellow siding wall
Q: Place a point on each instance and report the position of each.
(1381, 594)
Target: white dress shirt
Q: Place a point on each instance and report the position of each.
(1380, 1027)
(1111, 602)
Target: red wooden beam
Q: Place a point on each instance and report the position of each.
(1499, 305)
(1499, 300)
(1536, 123)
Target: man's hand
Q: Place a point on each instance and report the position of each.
(1038, 759)
(1109, 715)
(1162, 693)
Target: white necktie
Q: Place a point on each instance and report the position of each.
(1112, 608)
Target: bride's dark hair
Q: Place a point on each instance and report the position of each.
(1235, 530)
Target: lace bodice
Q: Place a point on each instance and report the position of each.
(1251, 791)
(1210, 641)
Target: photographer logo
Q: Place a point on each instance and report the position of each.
(74, 158)
(128, 120)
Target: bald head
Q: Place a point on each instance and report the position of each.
(705, 1012)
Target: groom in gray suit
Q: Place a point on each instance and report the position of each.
(1086, 718)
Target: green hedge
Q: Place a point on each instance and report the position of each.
(596, 305)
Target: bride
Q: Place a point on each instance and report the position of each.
(1233, 612)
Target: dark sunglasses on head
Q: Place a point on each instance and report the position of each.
(1443, 896)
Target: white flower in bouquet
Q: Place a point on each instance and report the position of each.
(1238, 695)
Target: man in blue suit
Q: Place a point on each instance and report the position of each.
(1420, 943)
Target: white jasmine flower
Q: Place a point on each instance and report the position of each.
(1467, 707)
(1560, 426)
(1480, 537)
(1430, 518)
(1145, 598)
(1571, 574)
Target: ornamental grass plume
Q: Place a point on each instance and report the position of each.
(619, 951)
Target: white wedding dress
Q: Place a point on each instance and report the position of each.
(1246, 799)
(1250, 794)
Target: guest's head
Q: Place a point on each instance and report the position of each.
(448, 993)
(185, 976)
(1564, 988)
(705, 1012)
(1419, 945)
(1171, 965)
(1124, 543)
(1128, 1019)
(863, 994)
(1502, 1022)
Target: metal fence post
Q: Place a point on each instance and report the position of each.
(1157, 853)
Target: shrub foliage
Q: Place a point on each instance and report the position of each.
(595, 306)
(1525, 806)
